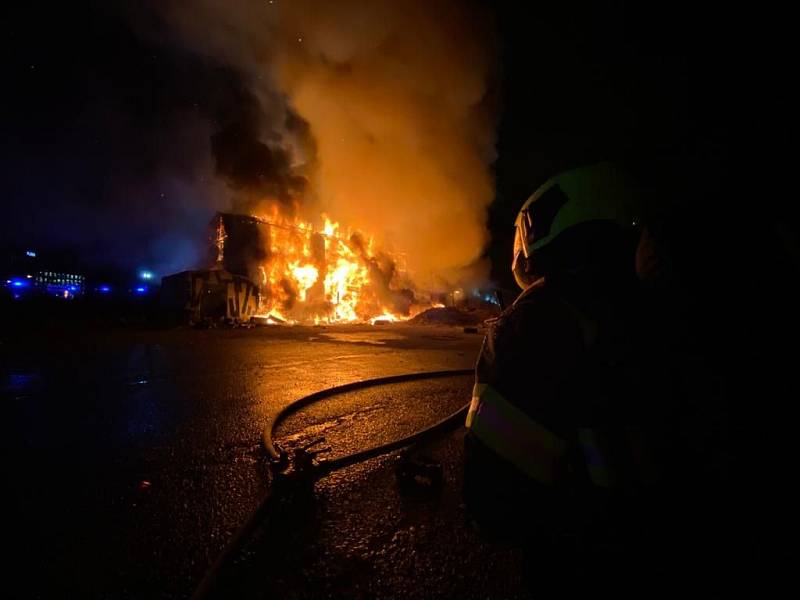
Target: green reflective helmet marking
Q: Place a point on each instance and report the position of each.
(596, 193)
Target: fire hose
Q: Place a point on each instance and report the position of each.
(302, 464)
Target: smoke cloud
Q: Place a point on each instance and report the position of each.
(379, 114)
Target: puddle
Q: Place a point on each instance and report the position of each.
(319, 428)
(376, 339)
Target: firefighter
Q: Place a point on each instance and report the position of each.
(554, 443)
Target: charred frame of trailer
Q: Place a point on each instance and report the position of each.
(217, 295)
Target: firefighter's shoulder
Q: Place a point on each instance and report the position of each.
(537, 302)
(539, 312)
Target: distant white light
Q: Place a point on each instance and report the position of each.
(31, 253)
(146, 275)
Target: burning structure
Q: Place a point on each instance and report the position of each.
(314, 274)
(285, 270)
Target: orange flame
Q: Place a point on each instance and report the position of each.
(325, 276)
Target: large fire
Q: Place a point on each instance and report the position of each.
(329, 274)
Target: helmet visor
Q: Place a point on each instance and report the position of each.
(522, 233)
(519, 262)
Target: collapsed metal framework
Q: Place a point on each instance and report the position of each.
(221, 234)
(245, 245)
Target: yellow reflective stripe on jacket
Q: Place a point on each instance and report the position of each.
(514, 435)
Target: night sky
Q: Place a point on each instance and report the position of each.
(107, 120)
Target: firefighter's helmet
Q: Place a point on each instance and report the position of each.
(599, 192)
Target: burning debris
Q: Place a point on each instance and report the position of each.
(314, 274)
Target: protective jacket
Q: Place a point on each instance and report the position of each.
(557, 424)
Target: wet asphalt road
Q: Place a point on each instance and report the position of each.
(131, 457)
(365, 531)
